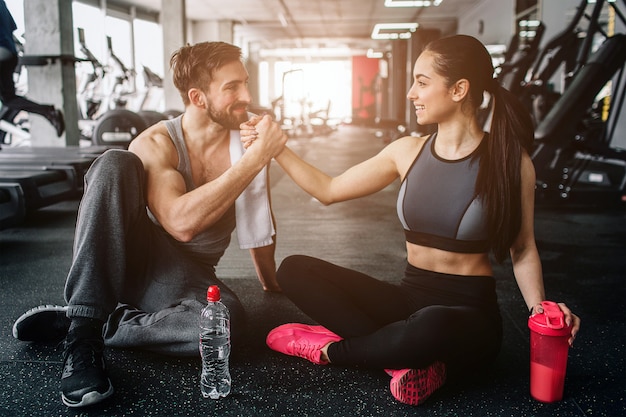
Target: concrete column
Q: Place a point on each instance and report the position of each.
(213, 30)
(271, 81)
(48, 25)
(174, 24)
(252, 65)
(418, 41)
(398, 66)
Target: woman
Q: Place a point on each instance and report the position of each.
(464, 194)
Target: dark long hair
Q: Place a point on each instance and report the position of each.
(499, 175)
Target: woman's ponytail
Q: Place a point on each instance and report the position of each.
(499, 176)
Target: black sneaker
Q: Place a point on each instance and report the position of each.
(46, 323)
(84, 380)
(56, 119)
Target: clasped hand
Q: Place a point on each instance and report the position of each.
(262, 127)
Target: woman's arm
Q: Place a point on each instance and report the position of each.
(524, 254)
(360, 180)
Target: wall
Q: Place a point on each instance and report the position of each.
(491, 21)
(556, 15)
(211, 30)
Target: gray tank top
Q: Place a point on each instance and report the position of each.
(208, 246)
(437, 206)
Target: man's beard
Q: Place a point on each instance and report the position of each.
(226, 119)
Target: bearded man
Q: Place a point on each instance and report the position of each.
(153, 223)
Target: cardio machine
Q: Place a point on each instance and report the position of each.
(574, 156)
(104, 121)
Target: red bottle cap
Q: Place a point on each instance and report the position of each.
(213, 293)
(549, 323)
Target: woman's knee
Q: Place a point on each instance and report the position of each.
(292, 268)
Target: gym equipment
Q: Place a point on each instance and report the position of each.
(105, 121)
(14, 127)
(15, 123)
(118, 128)
(43, 186)
(289, 107)
(12, 206)
(518, 60)
(573, 156)
(31, 178)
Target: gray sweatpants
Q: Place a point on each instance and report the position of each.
(127, 271)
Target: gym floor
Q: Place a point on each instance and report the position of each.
(582, 251)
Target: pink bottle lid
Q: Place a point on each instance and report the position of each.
(549, 323)
(213, 293)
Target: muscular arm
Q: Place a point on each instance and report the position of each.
(185, 214)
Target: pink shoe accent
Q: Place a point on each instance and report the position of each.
(300, 341)
(414, 386)
(307, 327)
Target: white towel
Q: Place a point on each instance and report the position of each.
(253, 215)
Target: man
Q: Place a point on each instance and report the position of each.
(8, 63)
(139, 277)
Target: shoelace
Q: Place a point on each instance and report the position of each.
(82, 355)
(307, 351)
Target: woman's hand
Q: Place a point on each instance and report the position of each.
(248, 131)
(571, 319)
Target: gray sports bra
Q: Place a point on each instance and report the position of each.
(437, 206)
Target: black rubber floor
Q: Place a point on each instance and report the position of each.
(583, 255)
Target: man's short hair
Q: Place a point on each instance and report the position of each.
(193, 66)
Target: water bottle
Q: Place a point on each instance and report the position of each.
(215, 346)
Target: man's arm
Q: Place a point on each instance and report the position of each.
(265, 266)
(185, 214)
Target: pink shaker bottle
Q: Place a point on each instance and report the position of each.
(548, 353)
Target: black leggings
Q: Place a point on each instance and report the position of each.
(428, 317)
(8, 95)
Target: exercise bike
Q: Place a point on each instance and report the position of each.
(101, 99)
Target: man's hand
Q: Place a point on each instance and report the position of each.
(262, 129)
(265, 266)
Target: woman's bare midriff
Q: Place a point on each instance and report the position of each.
(438, 260)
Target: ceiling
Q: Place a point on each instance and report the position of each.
(271, 24)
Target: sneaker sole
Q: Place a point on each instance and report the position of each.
(49, 308)
(414, 386)
(88, 399)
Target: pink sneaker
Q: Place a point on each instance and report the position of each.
(414, 386)
(298, 340)
(307, 327)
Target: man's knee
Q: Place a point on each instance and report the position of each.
(116, 163)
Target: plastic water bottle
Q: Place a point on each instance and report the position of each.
(215, 380)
